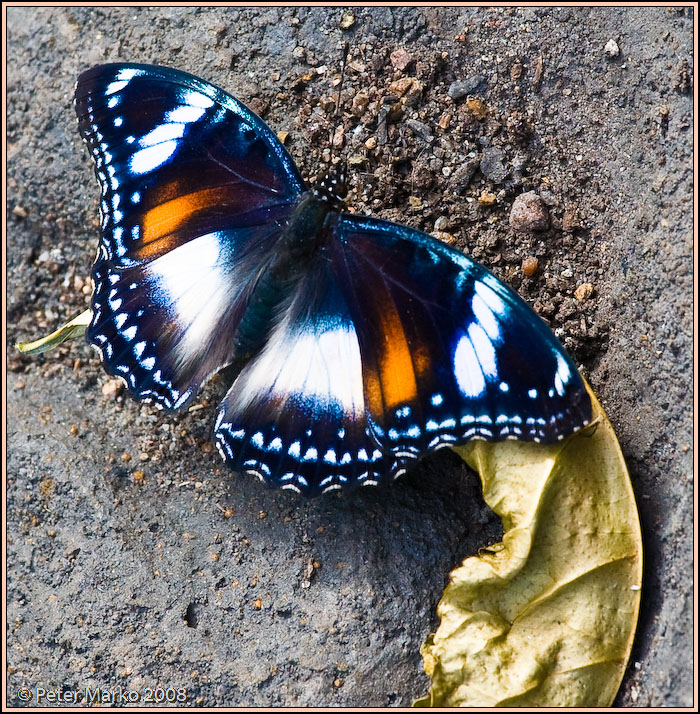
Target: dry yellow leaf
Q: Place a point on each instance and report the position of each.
(547, 616)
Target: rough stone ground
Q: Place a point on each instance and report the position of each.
(134, 559)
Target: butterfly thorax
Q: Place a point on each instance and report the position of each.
(332, 188)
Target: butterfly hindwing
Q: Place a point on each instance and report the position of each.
(296, 415)
(195, 191)
(449, 352)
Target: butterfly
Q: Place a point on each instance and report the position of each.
(358, 344)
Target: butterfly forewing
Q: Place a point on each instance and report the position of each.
(449, 353)
(195, 192)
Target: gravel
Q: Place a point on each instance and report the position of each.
(134, 558)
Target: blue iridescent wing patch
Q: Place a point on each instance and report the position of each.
(359, 344)
(195, 191)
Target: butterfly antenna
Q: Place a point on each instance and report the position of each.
(336, 113)
(346, 50)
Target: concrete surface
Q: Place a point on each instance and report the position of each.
(134, 558)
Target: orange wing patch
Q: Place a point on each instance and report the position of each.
(162, 220)
(398, 376)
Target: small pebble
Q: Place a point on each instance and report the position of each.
(443, 236)
(584, 291)
(612, 49)
(492, 165)
(326, 103)
(529, 266)
(401, 86)
(477, 108)
(570, 222)
(420, 129)
(487, 198)
(547, 196)
(47, 487)
(464, 87)
(347, 21)
(537, 79)
(359, 103)
(444, 122)
(442, 223)
(20, 211)
(339, 138)
(465, 173)
(400, 59)
(394, 113)
(112, 387)
(529, 213)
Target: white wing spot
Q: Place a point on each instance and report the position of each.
(162, 133)
(185, 115)
(485, 351)
(485, 317)
(152, 157)
(468, 374)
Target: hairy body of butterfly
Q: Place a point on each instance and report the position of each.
(361, 344)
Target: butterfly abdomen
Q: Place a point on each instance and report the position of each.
(299, 245)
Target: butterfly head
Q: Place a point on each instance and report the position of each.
(333, 185)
